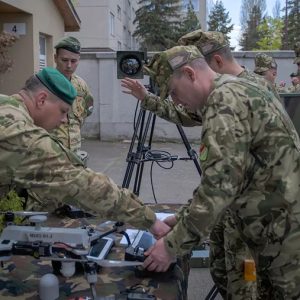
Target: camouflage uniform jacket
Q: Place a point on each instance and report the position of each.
(31, 159)
(258, 79)
(69, 133)
(250, 160)
(294, 89)
(169, 111)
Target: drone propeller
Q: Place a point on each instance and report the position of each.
(116, 263)
(106, 263)
(25, 213)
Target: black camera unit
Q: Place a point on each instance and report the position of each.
(130, 64)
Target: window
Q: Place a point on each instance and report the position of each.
(195, 4)
(129, 10)
(43, 52)
(129, 39)
(119, 12)
(112, 23)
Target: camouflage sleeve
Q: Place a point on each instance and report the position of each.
(89, 102)
(55, 175)
(87, 99)
(224, 143)
(169, 111)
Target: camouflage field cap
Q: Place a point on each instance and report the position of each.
(297, 53)
(192, 38)
(69, 43)
(163, 64)
(58, 84)
(206, 41)
(264, 62)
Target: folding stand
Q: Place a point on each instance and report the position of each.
(137, 157)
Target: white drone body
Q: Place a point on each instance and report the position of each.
(56, 243)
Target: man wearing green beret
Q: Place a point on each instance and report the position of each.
(67, 58)
(248, 148)
(32, 159)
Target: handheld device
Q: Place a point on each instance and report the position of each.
(101, 248)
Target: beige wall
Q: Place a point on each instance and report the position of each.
(40, 17)
(21, 54)
(95, 23)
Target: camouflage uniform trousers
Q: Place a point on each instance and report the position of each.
(277, 262)
(227, 255)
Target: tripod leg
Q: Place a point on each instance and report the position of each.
(212, 293)
(131, 156)
(137, 158)
(191, 152)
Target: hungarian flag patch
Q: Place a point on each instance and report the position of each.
(203, 152)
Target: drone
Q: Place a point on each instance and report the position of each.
(65, 247)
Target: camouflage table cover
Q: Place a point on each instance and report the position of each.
(19, 277)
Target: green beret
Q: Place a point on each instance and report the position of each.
(69, 43)
(58, 84)
(163, 64)
(264, 62)
(206, 41)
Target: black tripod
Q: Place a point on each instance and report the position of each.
(137, 156)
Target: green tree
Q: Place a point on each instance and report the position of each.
(291, 33)
(219, 20)
(247, 9)
(190, 22)
(250, 35)
(157, 23)
(270, 34)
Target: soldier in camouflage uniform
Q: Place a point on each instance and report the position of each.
(295, 87)
(228, 251)
(297, 54)
(250, 157)
(67, 58)
(32, 159)
(265, 66)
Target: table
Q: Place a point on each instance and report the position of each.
(20, 276)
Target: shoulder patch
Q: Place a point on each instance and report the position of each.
(203, 152)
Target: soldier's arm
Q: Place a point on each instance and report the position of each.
(89, 102)
(87, 98)
(225, 142)
(169, 111)
(56, 176)
(166, 109)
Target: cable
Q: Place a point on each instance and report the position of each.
(159, 157)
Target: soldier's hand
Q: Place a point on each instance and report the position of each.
(134, 88)
(159, 229)
(158, 258)
(170, 221)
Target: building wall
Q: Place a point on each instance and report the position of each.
(95, 18)
(113, 114)
(200, 10)
(39, 17)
